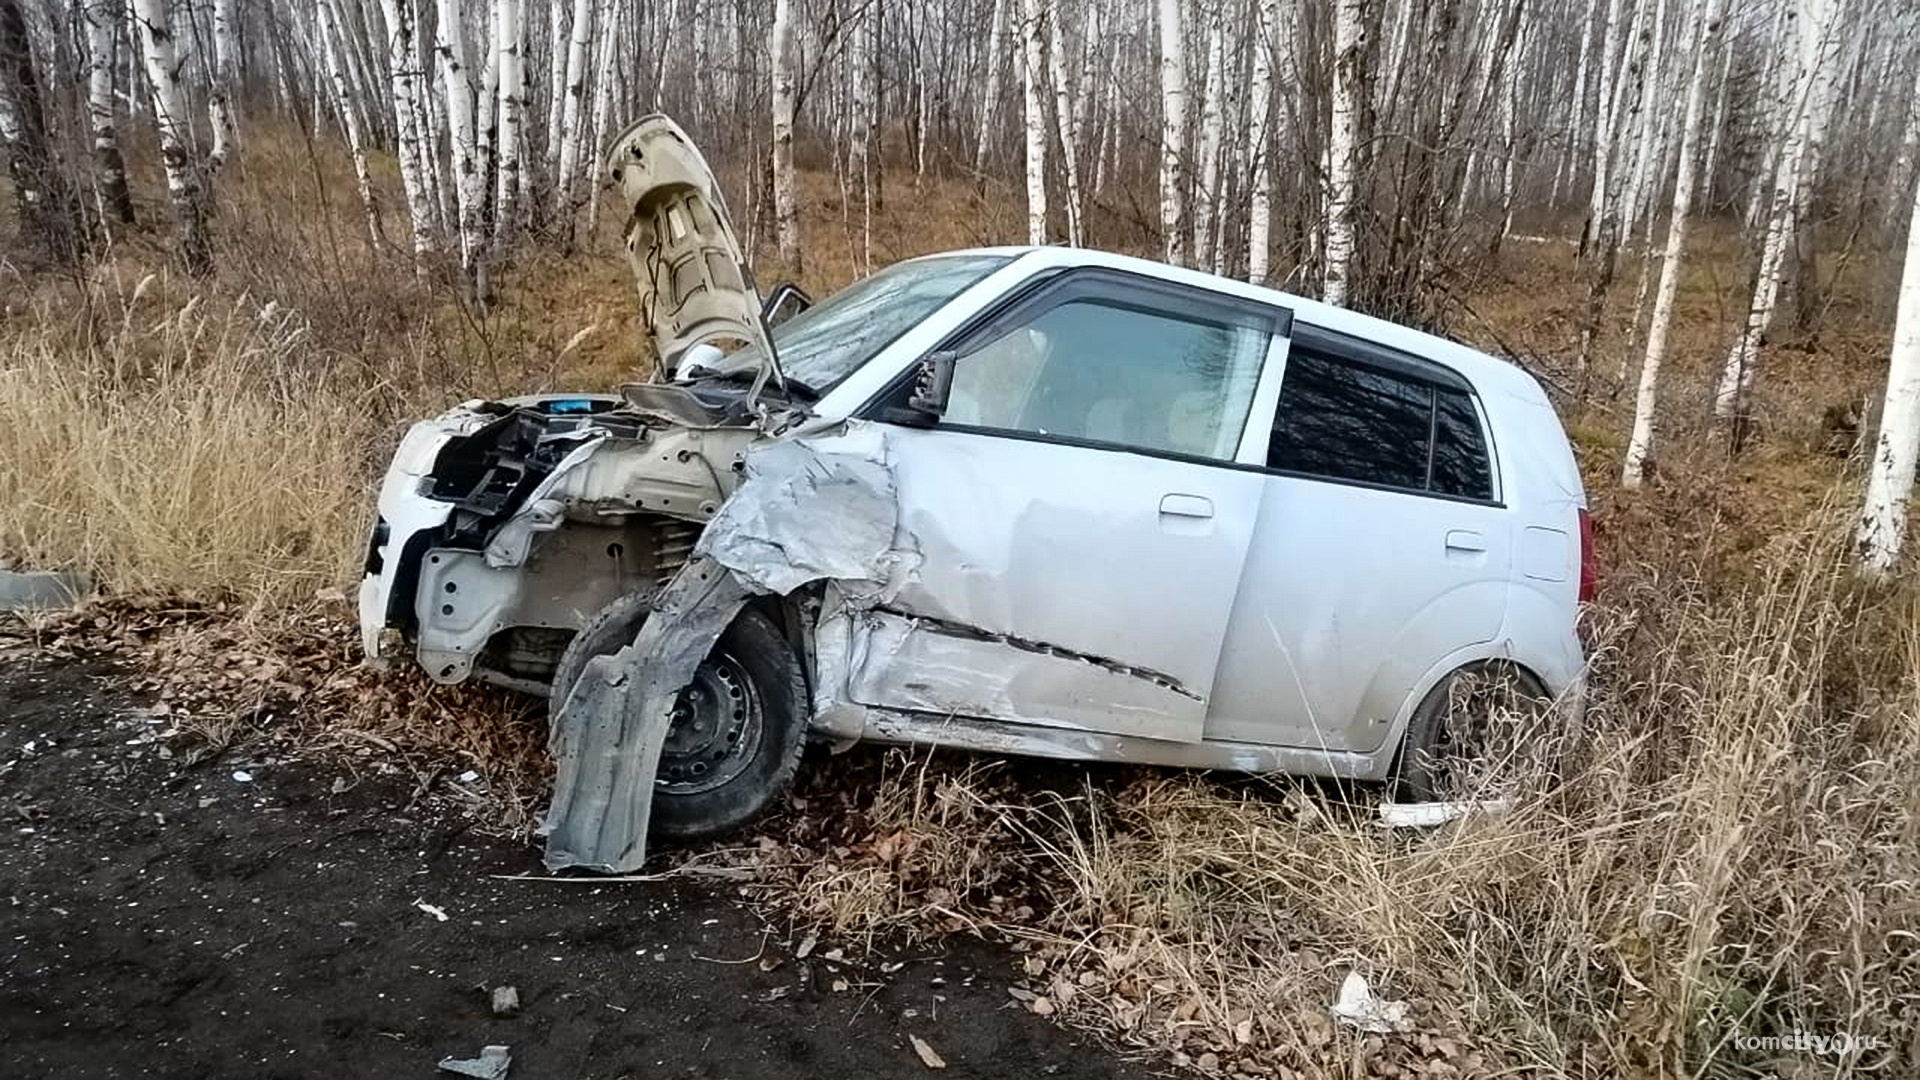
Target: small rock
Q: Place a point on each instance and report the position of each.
(506, 1001)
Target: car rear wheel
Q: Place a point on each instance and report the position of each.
(1479, 726)
(738, 728)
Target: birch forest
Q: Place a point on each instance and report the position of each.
(1382, 155)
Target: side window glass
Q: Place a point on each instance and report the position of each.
(1341, 420)
(1460, 464)
(1107, 372)
(1351, 423)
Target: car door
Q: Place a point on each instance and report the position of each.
(1381, 548)
(1079, 508)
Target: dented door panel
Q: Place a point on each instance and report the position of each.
(1052, 589)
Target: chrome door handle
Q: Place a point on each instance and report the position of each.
(1465, 540)
(1193, 506)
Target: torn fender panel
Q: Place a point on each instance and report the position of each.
(811, 509)
(607, 739)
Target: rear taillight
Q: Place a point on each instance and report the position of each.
(1588, 570)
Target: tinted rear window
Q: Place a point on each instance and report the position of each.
(1345, 421)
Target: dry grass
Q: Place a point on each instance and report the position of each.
(1724, 849)
(1728, 846)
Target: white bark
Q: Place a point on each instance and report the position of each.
(1603, 126)
(185, 184)
(1342, 144)
(557, 32)
(991, 102)
(110, 169)
(1640, 445)
(1034, 44)
(337, 75)
(1173, 132)
(602, 108)
(1811, 75)
(1068, 118)
(1883, 521)
(510, 108)
(220, 93)
(469, 177)
(1260, 216)
(402, 59)
(1206, 206)
(569, 135)
(785, 207)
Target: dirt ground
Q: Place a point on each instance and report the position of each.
(269, 918)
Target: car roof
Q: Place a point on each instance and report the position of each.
(1484, 371)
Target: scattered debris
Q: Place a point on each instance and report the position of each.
(22, 590)
(506, 1001)
(1428, 814)
(1357, 1007)
(490, 1065)
(807, 945)
(439, 913)
(243, 776)
(928, 1057)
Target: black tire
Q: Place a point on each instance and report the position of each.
(1475, 723)
(747, 704)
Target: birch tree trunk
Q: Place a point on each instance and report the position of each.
(1173, 132)
(1034, 44)
(602, 108)
(508, 47)
(1730, 399)
(1640, 444)
(1260, 214)
(1068, 118)
(469, 179)
(569, 135)
(220, 94)
(328, 24)
(1207, 201)
(402, 59)
(996, 36)
(1603, 127)
(785, 209)
(1883, 520)
(103, 53)
(1342, 143)
(185, 184)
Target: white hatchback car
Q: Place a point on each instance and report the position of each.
(1026, 500)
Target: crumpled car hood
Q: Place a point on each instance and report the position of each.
(694, 284)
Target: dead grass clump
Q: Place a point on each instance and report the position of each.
(183, 451)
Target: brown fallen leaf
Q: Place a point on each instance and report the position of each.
(928, 1057)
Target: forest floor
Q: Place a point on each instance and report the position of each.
(249, 913)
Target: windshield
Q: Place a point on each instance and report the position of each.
(829, 341)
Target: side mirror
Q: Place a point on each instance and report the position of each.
(928, 394)
(783, 303)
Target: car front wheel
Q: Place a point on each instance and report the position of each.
(737, 730)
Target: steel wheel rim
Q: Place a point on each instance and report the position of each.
(717, 725)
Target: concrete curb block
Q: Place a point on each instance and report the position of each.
(41, 590)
